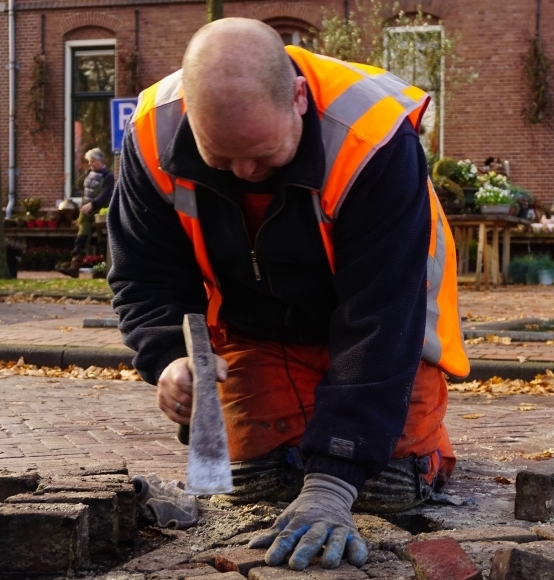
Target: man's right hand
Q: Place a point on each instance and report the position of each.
(175, 388)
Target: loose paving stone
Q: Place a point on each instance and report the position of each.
(239, 560)
(535, 493)
(58, 533)
(168, 556)
(125, 492)
(481, 553)
(528, 562)
(276, 573)
(382, 535)
(16, 483)
(441, 559)
(103, 516)
(483, 534)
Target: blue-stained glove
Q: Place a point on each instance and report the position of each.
(320, 516)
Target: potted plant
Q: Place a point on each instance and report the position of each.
(491, 199)
(31, 220)
(32, 205)
(544, 268)
(51, 219)
(100, 270)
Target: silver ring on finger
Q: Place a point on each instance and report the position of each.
(178, 407)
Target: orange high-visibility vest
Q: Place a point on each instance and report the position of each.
(360, 108)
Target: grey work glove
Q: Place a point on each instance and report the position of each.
(319, 516)
(164, 503)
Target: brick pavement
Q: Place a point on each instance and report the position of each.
(62, 324)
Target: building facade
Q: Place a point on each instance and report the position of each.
(70, 57)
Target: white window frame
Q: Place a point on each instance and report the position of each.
(110, 43)
(430, 28)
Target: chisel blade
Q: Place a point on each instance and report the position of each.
(209, 467)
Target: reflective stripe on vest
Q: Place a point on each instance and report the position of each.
(360, 108)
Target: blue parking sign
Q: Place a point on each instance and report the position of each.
(121, 112)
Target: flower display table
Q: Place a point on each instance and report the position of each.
(464, 227)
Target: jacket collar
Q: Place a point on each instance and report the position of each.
(182, 159)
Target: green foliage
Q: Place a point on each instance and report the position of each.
(367, 35)
(525, 269)
(32, 205)
(100, 270)
(492, 195)
(35, 106)
(58, 286)
(536, 65)
(445, 167)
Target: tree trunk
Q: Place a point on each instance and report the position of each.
(214, 10)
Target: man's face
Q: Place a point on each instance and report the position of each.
(95, 164)
(254, 145)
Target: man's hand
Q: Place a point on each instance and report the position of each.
(320, 516)
(175, 388)
(87, 208)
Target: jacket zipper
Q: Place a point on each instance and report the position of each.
(253, 254)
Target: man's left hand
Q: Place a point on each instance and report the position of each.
(320, 516)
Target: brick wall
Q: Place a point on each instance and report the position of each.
(482, 119)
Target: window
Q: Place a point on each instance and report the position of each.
(414, 54)
(293, 31)
(90, 84)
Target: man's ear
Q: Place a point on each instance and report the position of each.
(300, 95)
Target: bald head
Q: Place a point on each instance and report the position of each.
(233, 65)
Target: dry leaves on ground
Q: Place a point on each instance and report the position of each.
(546, 454)
(496, 387)
(473, 416)
(489, 338)
(21, 297)
(503, 480)
(122, 373)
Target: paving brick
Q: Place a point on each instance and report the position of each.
(481, 553)
(225, 576)
(184, 572)
(276, 573)
(528, 562)
(535, 493)
(441, 559)
(483, 534)
(43, 538)
(103, 515)
(381, 534)
(343, 571)
(387, 565)
(126, 498)
(169, 556)
(239, 559)
(17, 483)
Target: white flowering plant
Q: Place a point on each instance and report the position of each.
(494, 179)
(492, 195)
(466, 173)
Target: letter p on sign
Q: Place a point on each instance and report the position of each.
(122, 111)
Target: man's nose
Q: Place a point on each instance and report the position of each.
(243, 168)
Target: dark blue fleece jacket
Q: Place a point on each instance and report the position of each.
(371, 312)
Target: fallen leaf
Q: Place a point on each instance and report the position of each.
(503, 480)
(521, 358)
(473, 416)
(550, 342)
(505, 340)
(526, 407)
(546, 454)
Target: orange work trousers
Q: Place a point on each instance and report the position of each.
(268, 399)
